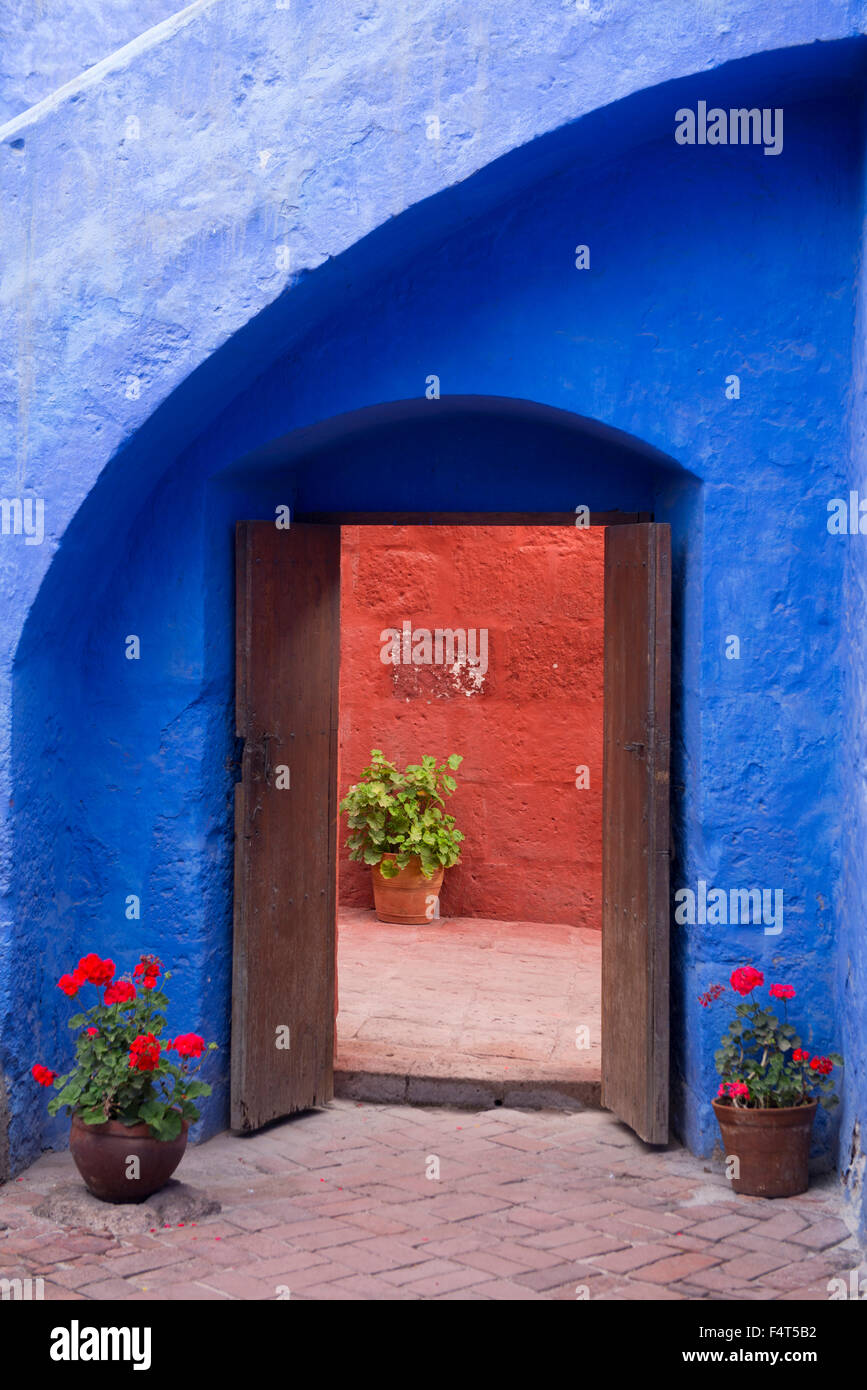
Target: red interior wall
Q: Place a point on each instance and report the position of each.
(533, 848)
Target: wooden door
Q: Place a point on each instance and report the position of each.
(287, 655)
(635, 827)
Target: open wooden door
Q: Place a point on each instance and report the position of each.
(287, 649)
(635, 827)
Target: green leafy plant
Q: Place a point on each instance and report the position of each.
(761, 1060)
(122, 1069)
(401, 813)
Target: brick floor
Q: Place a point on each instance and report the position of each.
(529, 1205)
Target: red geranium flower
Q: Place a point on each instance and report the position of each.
(746, 979)
(782, 991)
(144, 1053)
(823, 1065)
(148, 966)
(800, 1055)
(188, 1045)
(93, 971)
(93, 1032)
(43, 1075)
(119, 993)
(713, 993)
(735, 1088)
(70, 984)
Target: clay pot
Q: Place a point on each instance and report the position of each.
(773, 1147)
(408, 897)
(101, 1154)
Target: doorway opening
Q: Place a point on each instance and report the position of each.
(288, 641)
(497, 998)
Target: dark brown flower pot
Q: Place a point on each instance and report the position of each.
(772, 1147)
(101, 1154)
(408, 897)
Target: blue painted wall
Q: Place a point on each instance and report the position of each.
(704, 263)
(46, 43)
(851, 956)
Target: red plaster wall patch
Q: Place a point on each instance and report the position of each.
(485, 641)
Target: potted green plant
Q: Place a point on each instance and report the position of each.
(398, 827)
(770, 1090)
(130, 1103)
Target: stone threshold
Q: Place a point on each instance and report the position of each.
(476, 1093)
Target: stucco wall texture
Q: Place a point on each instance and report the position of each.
(533, 847)
(47, 43)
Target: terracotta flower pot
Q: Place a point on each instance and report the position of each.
(772, 1146)
(408, 897)
(101, 1154)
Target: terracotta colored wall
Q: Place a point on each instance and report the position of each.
(533, 847)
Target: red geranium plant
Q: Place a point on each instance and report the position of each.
(122, 1069)
(761, 1061)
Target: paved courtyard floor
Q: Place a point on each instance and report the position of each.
(363, 1201)
(468, 1010)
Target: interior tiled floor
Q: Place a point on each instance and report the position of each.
(511, 1004)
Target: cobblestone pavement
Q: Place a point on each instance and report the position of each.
(337, 1204)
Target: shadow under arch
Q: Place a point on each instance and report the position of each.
(598, 456)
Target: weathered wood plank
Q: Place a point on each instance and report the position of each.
(635, 834)
(288, 634)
